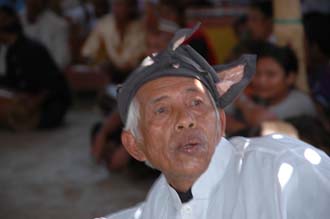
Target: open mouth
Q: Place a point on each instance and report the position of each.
(190, 146)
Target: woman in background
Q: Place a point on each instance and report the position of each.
(273, 95)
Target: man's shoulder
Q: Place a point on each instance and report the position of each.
(274, 151)
(274, 145)
(296, 99)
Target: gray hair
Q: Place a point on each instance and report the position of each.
(133, 118)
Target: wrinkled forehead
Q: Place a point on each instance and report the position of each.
(169, 86)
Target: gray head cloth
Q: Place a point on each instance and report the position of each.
(181, 60)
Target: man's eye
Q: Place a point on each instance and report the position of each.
(160, 110)
(197, 102)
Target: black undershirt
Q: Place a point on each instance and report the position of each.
(185, 196)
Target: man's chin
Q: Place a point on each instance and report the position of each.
(193, 169)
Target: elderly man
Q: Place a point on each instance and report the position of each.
(172, 107)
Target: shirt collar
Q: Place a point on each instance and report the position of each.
(204, 185)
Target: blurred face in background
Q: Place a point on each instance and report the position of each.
(122, 10)
(271, 83)
(55, 5)
(101, 7)
(33, 9)
(259, 26)
(168, 13)
(172, 13)
(157, 41)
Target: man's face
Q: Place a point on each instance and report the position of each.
(121, 10)
(179, 126)
(270, 81)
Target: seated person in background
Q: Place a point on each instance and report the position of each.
(172, 108)
(272, 92)
(43, 25)
(260, 21)
(118, 40)
(240, 28)
(87, 13)
(256, 27)
(40, 93)
(117, 43)
(82, 19)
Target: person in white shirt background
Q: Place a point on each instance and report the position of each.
(172, 108)
(45, 26)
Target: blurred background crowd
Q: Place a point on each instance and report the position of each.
(52, 50)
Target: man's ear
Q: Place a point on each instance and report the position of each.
(131, 145)
(234, 77)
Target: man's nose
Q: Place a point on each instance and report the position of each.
(185, 120)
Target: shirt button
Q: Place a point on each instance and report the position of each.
(187, 209)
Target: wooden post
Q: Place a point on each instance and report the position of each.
(288, 30)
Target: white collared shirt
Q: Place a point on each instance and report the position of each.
(259, 178)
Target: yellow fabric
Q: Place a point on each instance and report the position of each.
(222, 39)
